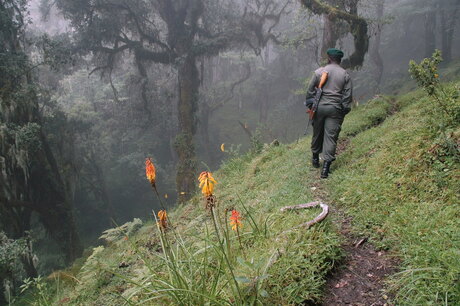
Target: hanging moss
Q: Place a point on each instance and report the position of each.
(30, 179)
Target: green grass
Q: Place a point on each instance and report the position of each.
(367, 116)
(400, 182)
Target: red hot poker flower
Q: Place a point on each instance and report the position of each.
(207, 183)
(150, 172)
(235, 220)
(162, 219)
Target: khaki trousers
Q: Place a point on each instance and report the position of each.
(326, 128)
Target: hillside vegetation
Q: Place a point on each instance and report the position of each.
(397, 177)
(400, 182)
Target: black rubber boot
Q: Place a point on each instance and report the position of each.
(325, 171)
(315, 160)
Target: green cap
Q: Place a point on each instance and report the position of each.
(335, 52)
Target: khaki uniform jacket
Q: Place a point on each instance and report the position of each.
(338, 90)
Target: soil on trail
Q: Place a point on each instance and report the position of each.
(359, 280)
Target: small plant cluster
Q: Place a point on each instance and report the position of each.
(42, 293)
(13, 255)
(256, 142)
(447, 105)
(426, 73)
(444, 153)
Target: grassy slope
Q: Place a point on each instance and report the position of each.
(402, 189)
(277, 177)
(386, 179)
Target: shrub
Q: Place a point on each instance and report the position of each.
(447, 112)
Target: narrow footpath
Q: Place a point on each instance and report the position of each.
(360, 278)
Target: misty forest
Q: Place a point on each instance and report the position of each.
(164, 152)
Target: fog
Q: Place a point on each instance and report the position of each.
(173, 80)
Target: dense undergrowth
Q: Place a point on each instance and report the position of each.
(398, 177)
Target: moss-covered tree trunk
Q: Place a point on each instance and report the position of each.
(187, 107)
(329, 33)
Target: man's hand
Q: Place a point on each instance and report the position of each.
(309, 102)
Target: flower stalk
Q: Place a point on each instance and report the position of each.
(235, 222)
(221, 244)
(207, 183)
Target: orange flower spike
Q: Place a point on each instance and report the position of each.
(162, 219)
(206, 183)
(235, 220)
(150, 171)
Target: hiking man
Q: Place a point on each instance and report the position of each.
(334, 104)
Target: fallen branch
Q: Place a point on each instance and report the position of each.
(317, 219)
(361, 241)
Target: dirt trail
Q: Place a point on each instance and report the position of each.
(359, 278)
